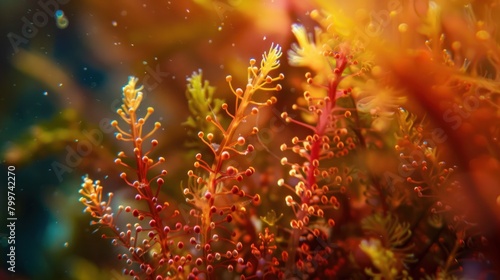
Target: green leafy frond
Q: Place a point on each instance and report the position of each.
(387, 227)
(382, 258)
(201, 102)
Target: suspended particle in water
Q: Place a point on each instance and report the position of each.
(61, 20)
(114, 23)
(45, 93)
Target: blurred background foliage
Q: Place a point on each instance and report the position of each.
(63, 83)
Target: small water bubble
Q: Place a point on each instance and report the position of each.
(265, 38)
(60, 84)
(144, 62)
(66, 244)
(59, 13)
(45, 93)
(219, 28)
(61, 20)
(187, 10)
(84, 68)
(114, 23)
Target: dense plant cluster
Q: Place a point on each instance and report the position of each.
(363, 193)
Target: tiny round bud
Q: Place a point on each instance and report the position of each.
(284, 161)
(235, 189)
(241, 141)
(208, 195)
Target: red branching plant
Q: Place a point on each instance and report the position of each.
(148, 241)
(214, 187)
(319, 178)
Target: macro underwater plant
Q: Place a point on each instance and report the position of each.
(362, 189)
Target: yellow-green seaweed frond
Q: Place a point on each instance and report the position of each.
(201, 102)
(388, 228)
(383, 259)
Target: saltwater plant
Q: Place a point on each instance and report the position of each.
(363, 192)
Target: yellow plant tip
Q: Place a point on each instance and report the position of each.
(270, 59)
(132, 97)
